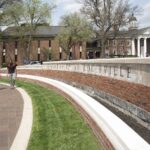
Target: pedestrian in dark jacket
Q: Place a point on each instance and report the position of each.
(12, 72)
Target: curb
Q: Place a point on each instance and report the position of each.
(23, 134)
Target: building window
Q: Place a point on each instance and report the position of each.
(70, 55)
(80, 55)
(38, 43)
(16, 53)
(16, 44)
(4, 45)
(122, 43)
(128, 42)
(60, 56)
(80, 50)
(114, 42)
(108, 43)
(16, 58)
(38, 56)
(60, 53)
(49, 43)
(39, 52)
(3, 55)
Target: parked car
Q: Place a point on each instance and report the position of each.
(35, 62)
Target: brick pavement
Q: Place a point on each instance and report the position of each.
(11, 107)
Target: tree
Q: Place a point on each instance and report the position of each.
(75, 29)
(3, 3)
(29, 13)
(106, 16)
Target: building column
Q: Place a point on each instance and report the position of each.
(139, 48)
(133, 46)
(145, 47)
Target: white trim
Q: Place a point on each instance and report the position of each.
(119, 133)
(39, 50)
(133, 46)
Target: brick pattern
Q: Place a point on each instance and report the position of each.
(44, 44)
(134, 93)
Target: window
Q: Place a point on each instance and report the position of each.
(16, 58)
(38, 43)
(128, 42)
(4, 54)
(108, 43)
(16, 44)
(60, 55)
(70, 55)
(49, 43)
(4, 45)
(114, 42)
(122, 43)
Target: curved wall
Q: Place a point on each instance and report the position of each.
(114, 80)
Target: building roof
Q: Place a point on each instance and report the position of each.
(41, 31)
(130, 33)
(51, 31)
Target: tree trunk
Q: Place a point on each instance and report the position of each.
(102, 54)
(29, 48)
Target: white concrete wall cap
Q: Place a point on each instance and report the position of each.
(120, 134)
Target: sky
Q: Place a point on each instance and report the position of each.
(69, 6)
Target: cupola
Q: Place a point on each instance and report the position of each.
(132, 22)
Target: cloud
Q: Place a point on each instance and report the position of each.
(64, 7)
(144, 19)
(72, 7)
(60, 2)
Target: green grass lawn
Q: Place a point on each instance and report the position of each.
(56, 124)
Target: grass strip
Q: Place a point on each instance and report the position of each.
(56, 124)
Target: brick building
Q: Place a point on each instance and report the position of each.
(131, 42)
(44, 46)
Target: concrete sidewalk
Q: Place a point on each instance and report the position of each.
(11, 108)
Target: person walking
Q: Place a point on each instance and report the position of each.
(12, 72)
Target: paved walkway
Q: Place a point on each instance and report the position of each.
(11, 107)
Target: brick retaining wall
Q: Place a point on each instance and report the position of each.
(133, 93)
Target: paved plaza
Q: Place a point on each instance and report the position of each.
(11, 107)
